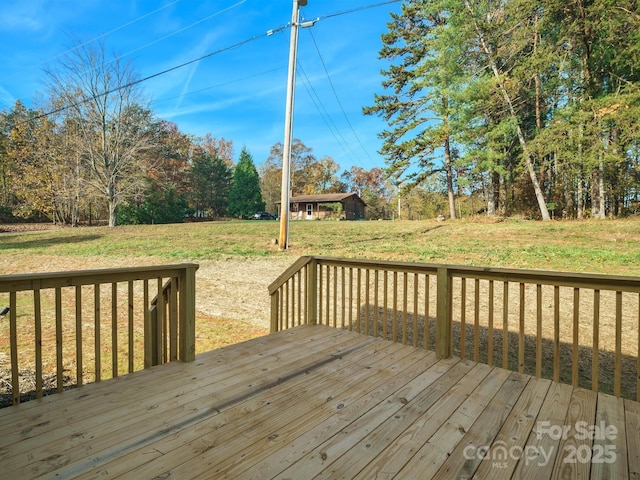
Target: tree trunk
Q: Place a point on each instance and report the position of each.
(493, 193)
(113, 214)
(580, 195)
(536, 76)
(580, 192)
(542, 205)
(601, 196)
(113, 206)
(449, 171)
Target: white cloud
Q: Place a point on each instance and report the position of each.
(20, 17)
(6, 98)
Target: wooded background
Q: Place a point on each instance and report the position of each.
(502, 108)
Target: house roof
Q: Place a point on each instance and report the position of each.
(325, 197)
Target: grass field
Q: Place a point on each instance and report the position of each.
(609, 246)
(238, 259)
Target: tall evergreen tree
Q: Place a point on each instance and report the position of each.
(421, 104)
(210, 181)
(245, 197)
(539, 97)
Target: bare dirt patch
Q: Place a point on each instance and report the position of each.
(236, 288)
(233, 288)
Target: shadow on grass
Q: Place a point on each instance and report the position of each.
(37, 242)
(606, 359)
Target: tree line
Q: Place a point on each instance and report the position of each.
(94, 150)
(131, 169)
(508, 108)
(534, 104)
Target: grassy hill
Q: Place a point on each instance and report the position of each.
(609, 246)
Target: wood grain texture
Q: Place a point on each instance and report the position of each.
(315, 402)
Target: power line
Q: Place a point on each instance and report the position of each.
(161, 100)
(224, 49)
(324, 114)
(181, 29)
(335, 93)
(149, 77)
(142, 17)
(358, 9)
(333, 128)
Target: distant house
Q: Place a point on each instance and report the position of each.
(344, 206)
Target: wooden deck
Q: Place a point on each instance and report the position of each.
(317, 402)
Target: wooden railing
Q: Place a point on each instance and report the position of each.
(95, 324)
(576, 328)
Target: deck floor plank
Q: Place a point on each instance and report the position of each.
(246, 351)
(231, 429)
(582, 408)
(287, 427)
(340, 395)
(508, 448)
(63, 428)
(98, 395)
(429, 459)
(426, 388)
(401, 450)
(415, 422)
(609, 455)
(287, 454)
(632, 426)
(543, 448)
(126, 424)
(317, 402)
(465, 459)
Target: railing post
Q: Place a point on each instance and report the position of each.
(275, 311)
(443, 314)
(187, 316)
(151, 334)
(312, 292)
(158, 325)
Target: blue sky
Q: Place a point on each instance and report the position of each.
(238, 94)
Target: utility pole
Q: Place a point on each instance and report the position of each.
(288, 127)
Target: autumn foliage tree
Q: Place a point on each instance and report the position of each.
(210, 183)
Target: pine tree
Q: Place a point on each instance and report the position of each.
(245, 197)
(210, 180)
(420, 103)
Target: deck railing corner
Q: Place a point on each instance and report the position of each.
(578, 328)
(101, 322)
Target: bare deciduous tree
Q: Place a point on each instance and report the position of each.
(103, 100)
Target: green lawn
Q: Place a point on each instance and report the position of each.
(609, 246)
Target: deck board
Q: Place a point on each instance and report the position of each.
(543, 449)
(317, 402)
(632, 424)
(130, 417)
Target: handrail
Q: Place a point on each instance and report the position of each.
(548, 277)
(561, 325)
(30, 281)
(60, 303)
(288, 273)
